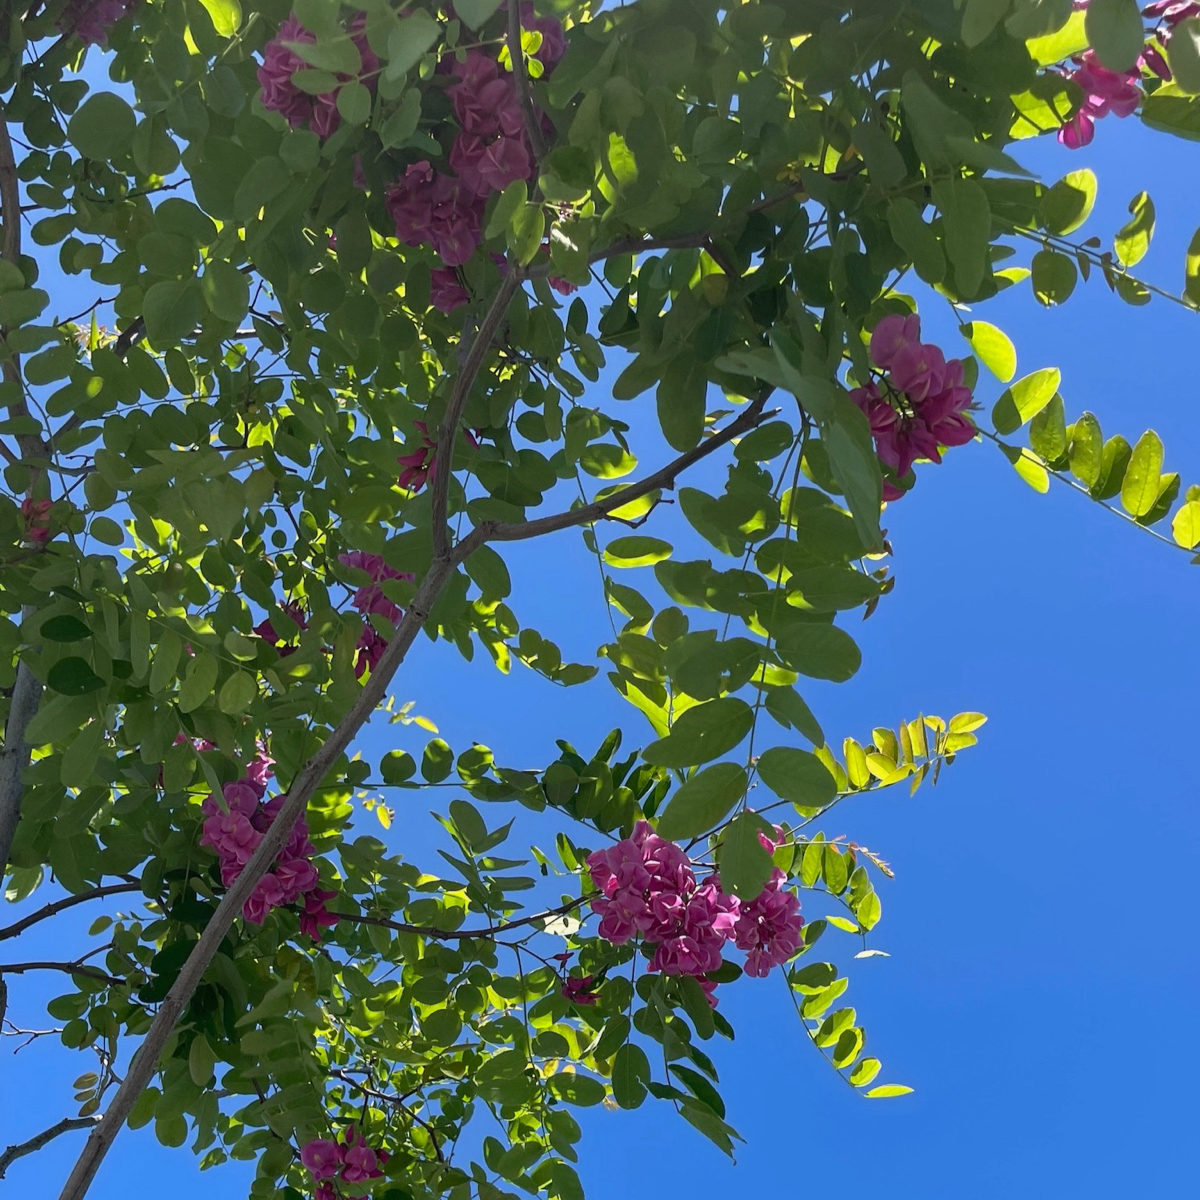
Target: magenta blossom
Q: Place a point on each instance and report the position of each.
(446, 291)
(579, 989)
(90, 20)
(1104, 92)
(322, 1157)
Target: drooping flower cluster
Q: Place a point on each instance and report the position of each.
(490, 151)
(418, 464)
(1104, 91)
(279, 94)
(233, 831)
(90, 20)
(649, 890)
(36, 514)
(349, 1158)
(267, 631)
(921, 404)
(368, 599)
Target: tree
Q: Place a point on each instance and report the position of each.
(341, 380)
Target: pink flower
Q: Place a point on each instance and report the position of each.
(579, 989)
(554, 41)
(361, 1162)
(315, 917)
(37, 521)
(322, 1157)
(1104, 92)
(90, 20)
(917, 370)
(769, 927)
(891, 334)
(446, 292)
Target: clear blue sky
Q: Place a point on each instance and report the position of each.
(1041, 994)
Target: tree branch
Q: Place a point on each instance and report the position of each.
(49, 910)
(431, 931)
(586, 514)
(27, 688)
(307, 781)
(533, 129)
(21, 1149)
(448, 432)
(68, 968)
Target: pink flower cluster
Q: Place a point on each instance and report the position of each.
(279, 94)
(233, 831)
(90, 20)
(267, 632)
(36, 514)
(490, 151)
(649, 890)
(921, 404)
(349, 1158)
(419, 463)
(369, 598)
(1104, 92)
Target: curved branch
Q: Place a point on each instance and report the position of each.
(68, 968)
(431, 931)
(49, 910)
(586, 514)
(448, 431)
(21, 1149)
(305, 784)
(533, 129)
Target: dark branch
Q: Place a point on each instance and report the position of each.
(21, 1149)
(587, 514)
(71, 968)
(49, 910)
(533, 127)
(431, 931)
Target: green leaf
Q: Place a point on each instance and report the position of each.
(980, 17)
(79, 761)
(526, 233)
(65, 628)
(199, 680)
(630, 1074)
(847, 438)
(744, 862)
(1026, 464)
(1191, 287)
(703, 801)
(354, 103)
(226, 290)
(917, 239)
(866, 1071)
(1140, 487)
(73, 676)
(226, 16)
(797, 775)
(267, 178)
(835, 871)
(576, 1089)
(237, 693)
(1116, 32)
(682, 400)
(968, 224)
(636, 551)
(172, 309)
(408, 41)
(1186, 526)
(1183, 55)
(702, 733)
(102, 127)
(888, 1089)
(22, 306)
(514, 197)
(474, 13)
(437, 761)
(1053, 276)
(820, 651)
(1048, 431)
(994, 348)
(1026, 398)
(1133, 238)
(1069, 202)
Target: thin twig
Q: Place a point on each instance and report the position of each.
(49, 910)
(533, 129)
(431, 931)
(70, 968)
(587, 514)
(448, 432)
(21, 1149)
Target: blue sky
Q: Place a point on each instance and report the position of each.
(1041, 989)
